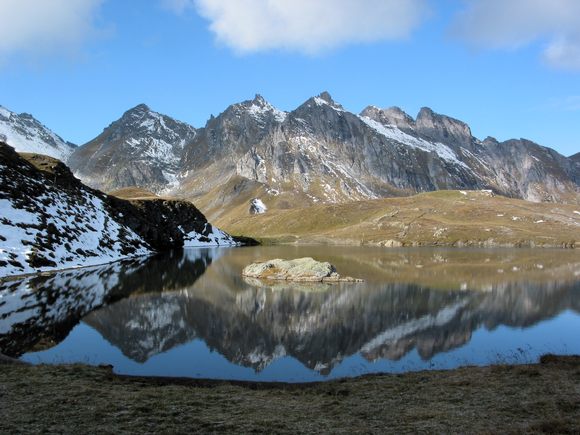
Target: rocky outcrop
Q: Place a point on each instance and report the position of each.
(391, 116)
(444, 129)
(300, 270)
(50, 220)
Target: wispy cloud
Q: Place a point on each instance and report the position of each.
(40, 27)
(511, 24)
(308, 26)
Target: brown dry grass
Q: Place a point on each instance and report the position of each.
(133, 193)
(507, 399)
(443, 218)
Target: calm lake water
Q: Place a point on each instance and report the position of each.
(190, 313)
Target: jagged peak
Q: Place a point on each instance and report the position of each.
(490, 139)
(258, 107)
(4, 112)
(259, 100)
(321, 100)
(426, 113)
(140, 108)
(440, 127)
(325, 95)
(390, 116)
(142, 117)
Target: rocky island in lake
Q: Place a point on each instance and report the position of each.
(304, 269)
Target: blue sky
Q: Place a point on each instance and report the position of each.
(192, 58)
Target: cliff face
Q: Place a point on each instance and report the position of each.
(50, 220)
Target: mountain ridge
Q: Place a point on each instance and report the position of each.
(27, 134)
(317, 153)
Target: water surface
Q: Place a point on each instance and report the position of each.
(190, 313)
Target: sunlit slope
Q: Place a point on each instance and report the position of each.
(446, 218)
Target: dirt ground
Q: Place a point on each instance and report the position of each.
(536, 398)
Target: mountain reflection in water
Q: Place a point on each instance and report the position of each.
(427, 301)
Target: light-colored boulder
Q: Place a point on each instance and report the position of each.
(300, 269)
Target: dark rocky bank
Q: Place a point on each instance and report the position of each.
(31, 182)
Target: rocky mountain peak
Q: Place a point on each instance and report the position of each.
(443, 128)
(140, 108)
(26, 134)
(390, 116)
(260, 101)
(323, 99)
(259, 109)
(135, 113)
(142, 148)
(4, 112)
(326, 97)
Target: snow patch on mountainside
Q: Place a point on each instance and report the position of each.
(257, 206)
(322, 102)
(26, 134)
(210, 236)
(399, 136)
(260, 110)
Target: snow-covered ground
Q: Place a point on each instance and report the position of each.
(397, 135)
(258, 111)
(79, 233)
(210, 236)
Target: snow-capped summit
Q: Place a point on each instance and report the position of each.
(142, 148)
(26, 134)
(259, 108)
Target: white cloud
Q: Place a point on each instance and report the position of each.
(514, 23)
(308, 26)
(45, 26)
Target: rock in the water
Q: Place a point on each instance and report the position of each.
(301, 269)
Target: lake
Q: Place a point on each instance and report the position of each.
(190, 313)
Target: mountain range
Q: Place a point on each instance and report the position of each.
(317, 153)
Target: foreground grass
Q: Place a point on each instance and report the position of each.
(543, 397)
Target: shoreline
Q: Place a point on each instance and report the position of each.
(464, 244)
(269, 242)
(531, 398)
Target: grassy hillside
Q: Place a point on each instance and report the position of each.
(133, 193)
(442, 218)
